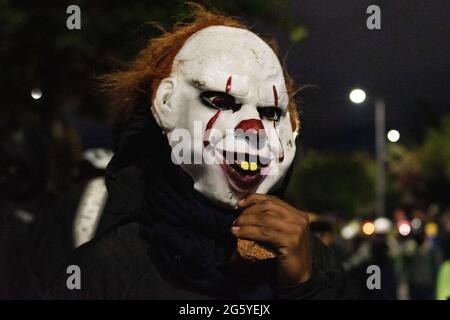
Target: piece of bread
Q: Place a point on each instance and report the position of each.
(253, 251)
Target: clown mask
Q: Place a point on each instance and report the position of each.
(224, 109)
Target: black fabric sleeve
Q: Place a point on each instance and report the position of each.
(327, 280)
(109, 268)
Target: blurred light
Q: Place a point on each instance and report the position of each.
(357, 96)
(393, 135)
(350, 230)
(36, 93)
(433, 209)
(298, 34)
(404, 228)
(382, 225)
(416, 223)
(98, 157)
(368, 228)
(410, 247)
(431, 229)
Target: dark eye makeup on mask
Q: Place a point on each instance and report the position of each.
(224, 101)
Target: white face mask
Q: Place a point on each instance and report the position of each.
(224, 79)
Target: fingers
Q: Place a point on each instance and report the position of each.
(268, 219)
(258, 197)
(272, 221)
(255, 217)
(261, 234)
(266, 212)
(280, 209)
(253, 199)
(285, 236)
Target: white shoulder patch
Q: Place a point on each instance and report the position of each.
(89, 211)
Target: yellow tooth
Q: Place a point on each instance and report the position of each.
(244, 165)
(253, 166)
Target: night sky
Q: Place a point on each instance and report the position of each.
(407, 63)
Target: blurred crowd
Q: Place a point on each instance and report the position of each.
(52, 194)
(411, 249)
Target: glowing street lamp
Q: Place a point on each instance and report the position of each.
(368, 228)
(382, 225)
(357, 96)
(36, 93)
(404, 228)
(393, 135)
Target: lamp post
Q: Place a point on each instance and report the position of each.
(380, 150)
(358, 96)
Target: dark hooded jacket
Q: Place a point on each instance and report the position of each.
(161, 239)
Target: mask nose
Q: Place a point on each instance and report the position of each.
(251, 128)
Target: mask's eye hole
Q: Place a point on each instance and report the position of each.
(270, 113)
(219, 100)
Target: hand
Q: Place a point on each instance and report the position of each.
(271, 220)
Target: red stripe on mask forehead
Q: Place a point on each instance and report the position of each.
(228, 86)
(275, 95)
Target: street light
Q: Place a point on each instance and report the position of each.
(368, 228)
(393, 135)
(36, 93)
(358, 96)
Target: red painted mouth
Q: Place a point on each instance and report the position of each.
(243, 181)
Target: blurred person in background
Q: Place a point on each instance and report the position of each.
(381, 256)
(443, 278)
(373, 250)
(38, 164)
(24, 198)
(73, 220)
(421, 266)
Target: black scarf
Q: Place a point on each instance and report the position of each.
(189, 236)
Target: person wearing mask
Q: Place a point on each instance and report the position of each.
(195, 186)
